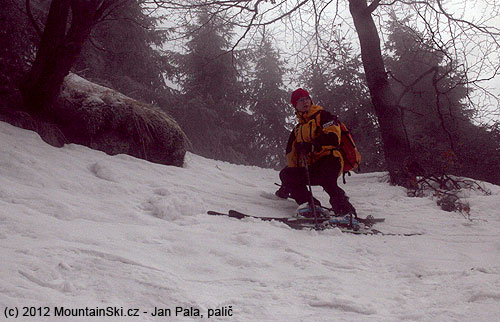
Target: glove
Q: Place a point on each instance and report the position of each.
(304, 147)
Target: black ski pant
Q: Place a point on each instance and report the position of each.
(324, 173)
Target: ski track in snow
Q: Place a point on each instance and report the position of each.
(79, 228)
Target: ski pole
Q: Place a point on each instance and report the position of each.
(308, 178)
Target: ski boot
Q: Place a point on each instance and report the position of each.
(342, 207)
(283, 192)
(304, 210)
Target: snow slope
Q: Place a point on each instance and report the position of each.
(83, 230)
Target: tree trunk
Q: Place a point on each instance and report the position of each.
(395, 144)
(58, 51)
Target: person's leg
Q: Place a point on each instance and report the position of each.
(294, 180)
(325, 173)
(283, 192)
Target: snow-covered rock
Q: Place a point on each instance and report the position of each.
(106, 120)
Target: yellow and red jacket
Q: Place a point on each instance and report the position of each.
(320, 128)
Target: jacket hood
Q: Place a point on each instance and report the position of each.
(304, 117)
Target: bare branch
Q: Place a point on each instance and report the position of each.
(32, 19)
(373, 6)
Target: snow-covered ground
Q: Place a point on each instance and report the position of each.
(81, 230)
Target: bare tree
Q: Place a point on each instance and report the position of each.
(68, 26)
(396, 146)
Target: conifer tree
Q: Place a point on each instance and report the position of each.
(17, 44)
(121, 54)
(432, 95)
(269, 107)
(211, 112)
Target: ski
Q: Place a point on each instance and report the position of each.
(369, 220)
(355, 229)
(294, 223)
(240, 215)
(346, 224)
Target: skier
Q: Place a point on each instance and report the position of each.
(317, 137)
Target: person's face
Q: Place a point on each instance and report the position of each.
(303, 104)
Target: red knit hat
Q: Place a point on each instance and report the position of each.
(298, 94)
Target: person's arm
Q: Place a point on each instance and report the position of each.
(330, 131)
(291, 155)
